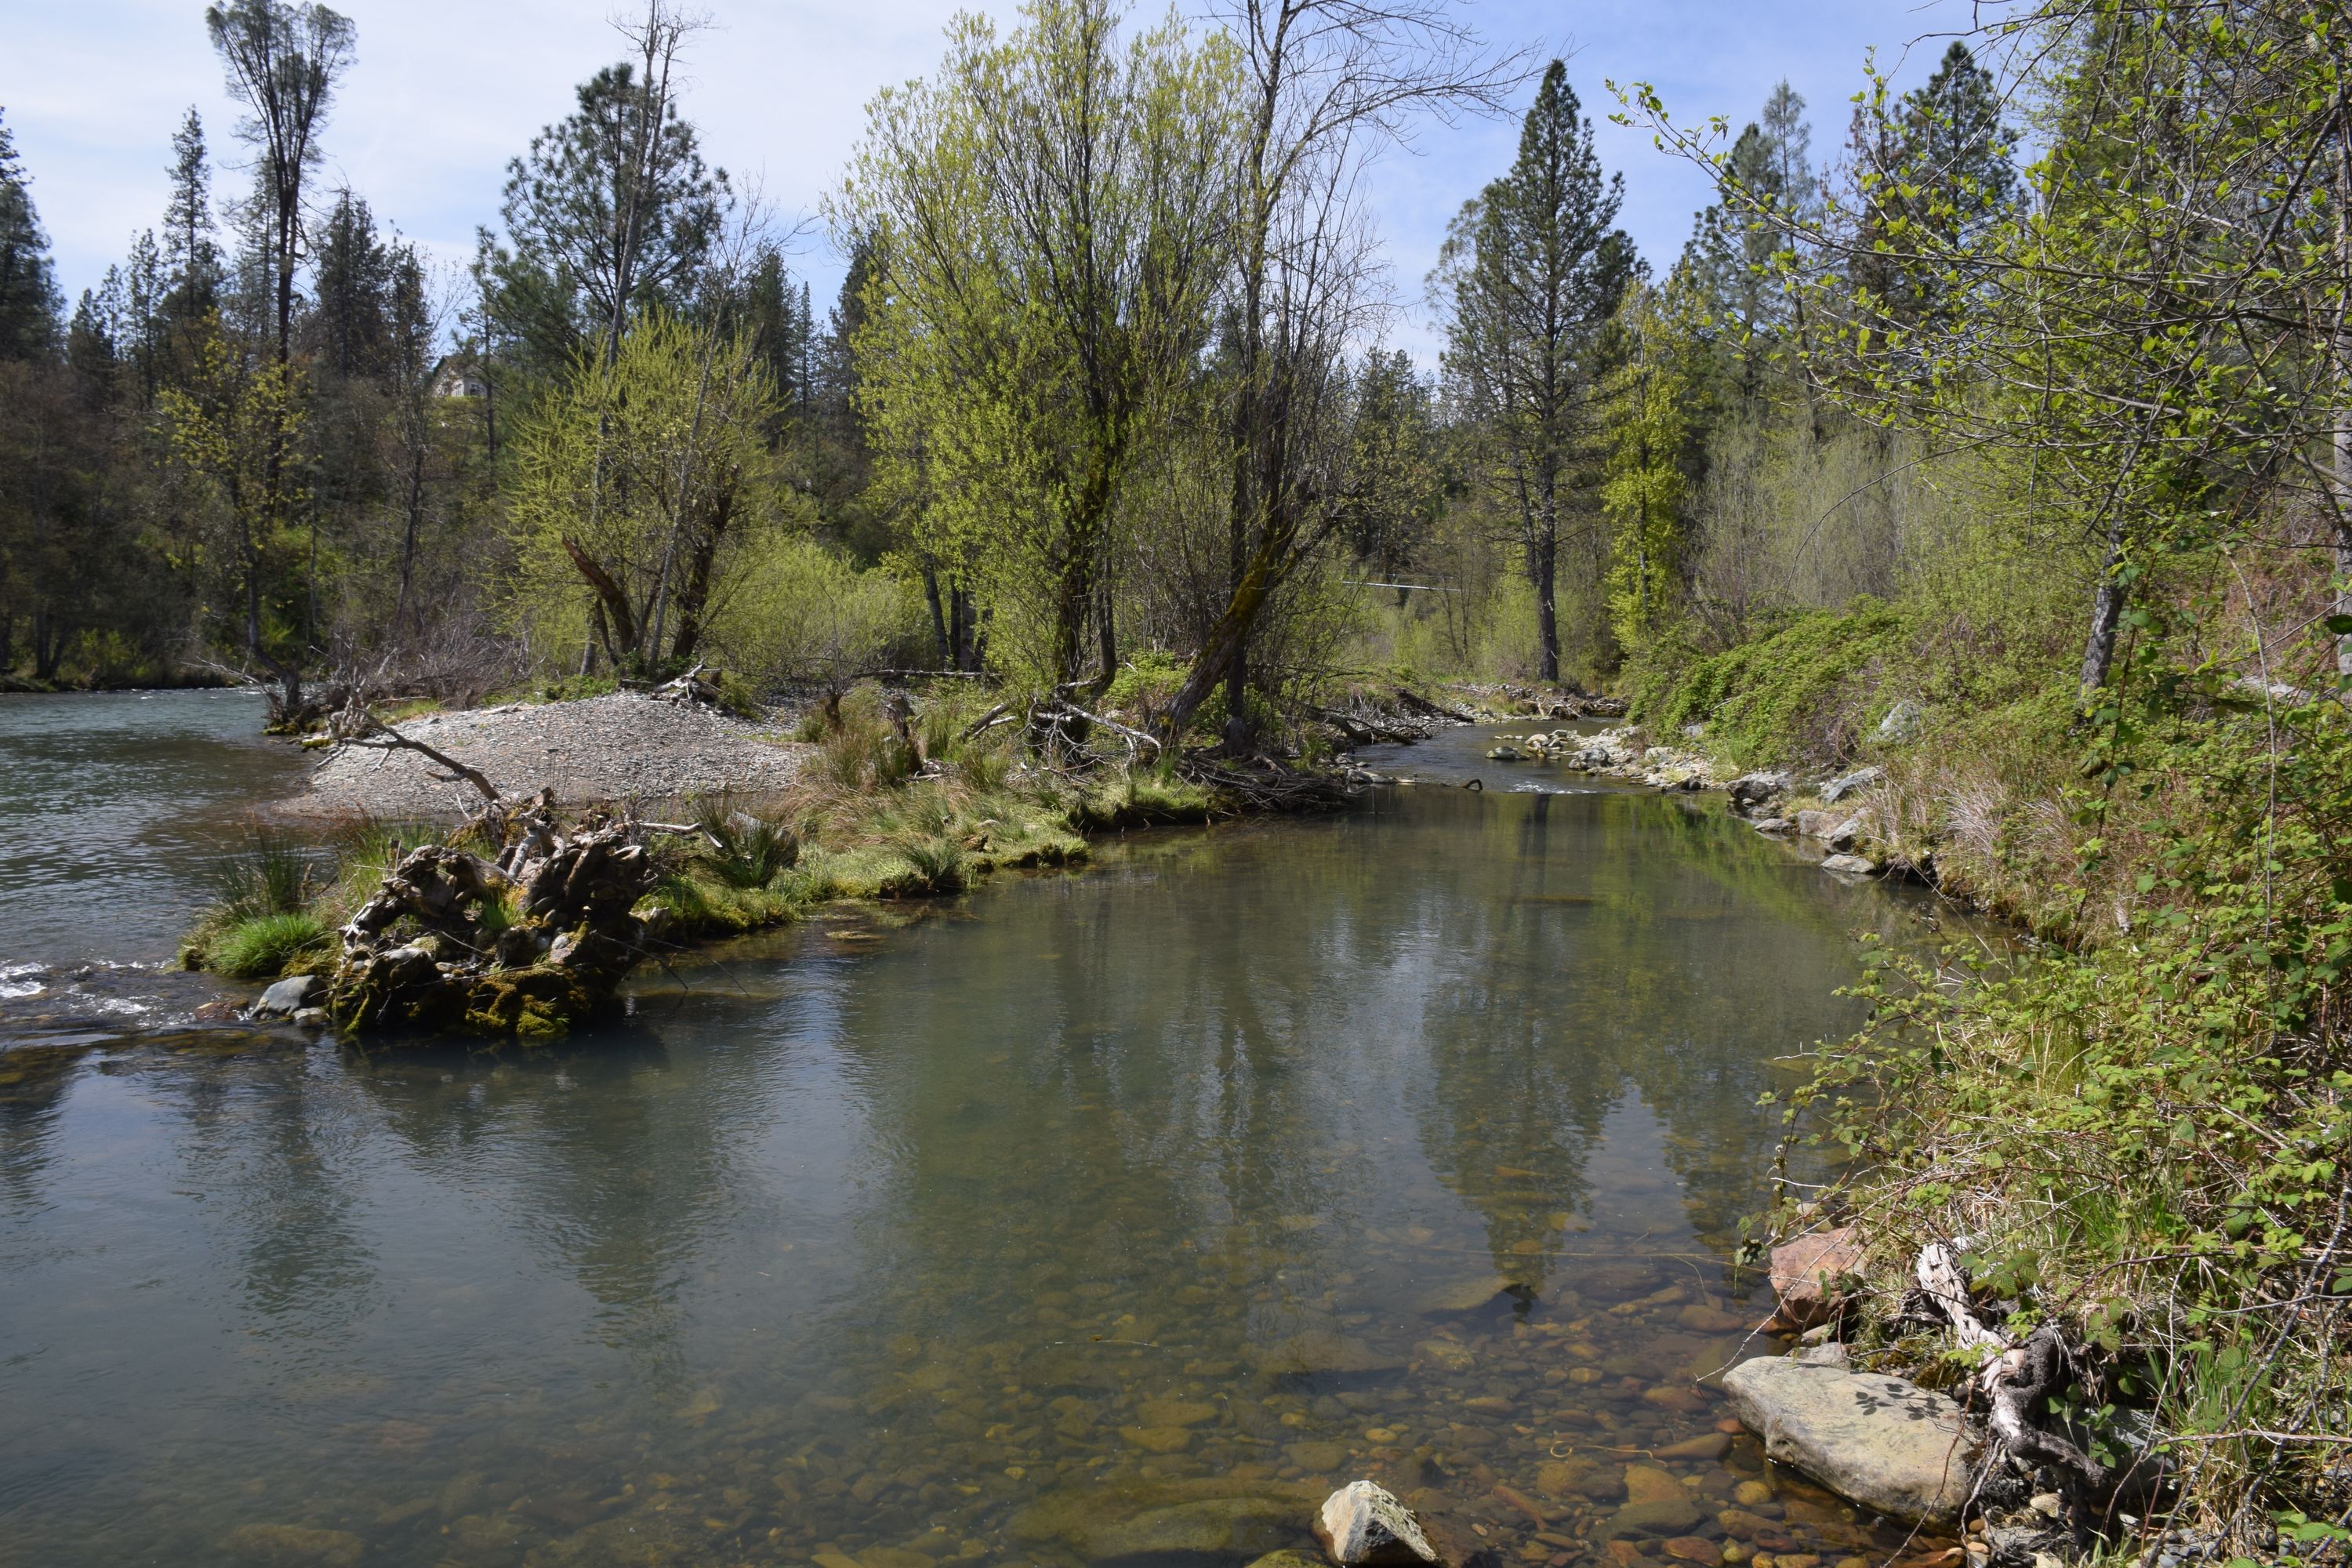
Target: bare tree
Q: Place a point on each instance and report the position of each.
(1328, 84)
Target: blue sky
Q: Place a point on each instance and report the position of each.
(444, 93)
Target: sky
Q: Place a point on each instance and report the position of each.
(445, 91)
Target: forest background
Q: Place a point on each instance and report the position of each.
(2003, 443)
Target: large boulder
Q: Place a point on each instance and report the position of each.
(1809, 1273)
(1362, 1525)
(1887, 1444)
(1751, 792)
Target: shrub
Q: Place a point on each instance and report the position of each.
(272, 875)
(742, 851)
(1804, 693)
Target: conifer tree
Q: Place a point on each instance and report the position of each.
(191, 256)
(29, 304)
(1535, 266)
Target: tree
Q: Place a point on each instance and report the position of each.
(351, 287)
(1649, 401)
(1534, 268)
(672, 433)
(29, 303)
(1045, 216)
(192, 266)
(1324, 84)
(1394, 486)
(1933, 177)
(614, 201)
(283, 60)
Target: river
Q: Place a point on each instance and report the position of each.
(1096, 1216)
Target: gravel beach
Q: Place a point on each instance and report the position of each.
(622, 747)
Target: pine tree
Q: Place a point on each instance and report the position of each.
(29, 303)
(192, 262)
(1936, 177)
(1534, 269)
(351, 280)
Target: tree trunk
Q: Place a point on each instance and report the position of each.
(1107, 629)
(938, 619)
(2342, 596)
(2106, 615)
(1543, 572)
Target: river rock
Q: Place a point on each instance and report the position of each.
(1815, 824)
(1851, 865)
(1774, 827)
(290, 997)
(1320, 1352)
(1289, 1558)
(295, 1545)
(1809, 1275)
(1158, 1440)
(1209, 1517)
(1176, 1412)
(1837, 789)
(1750, 792)
(1883, 1442)
(1461, 1296)
(1361, 1525)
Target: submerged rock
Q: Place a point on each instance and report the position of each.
(1361, 1525)
(295, 1545)
(1463, 1295)
(1317, 1351)
(1107, 1523)
(1885, 1443)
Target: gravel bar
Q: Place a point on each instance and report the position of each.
(622, 747)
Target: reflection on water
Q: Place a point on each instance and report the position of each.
(1108, 1216)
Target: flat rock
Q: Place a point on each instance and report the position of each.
(1885, 1443)
(1213, 1517)
(1317, 1351)
(1362, 1525)
(1462, 1295)
(1176, 1412)
(1851, 865)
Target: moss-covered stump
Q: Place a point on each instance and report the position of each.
(526, 945)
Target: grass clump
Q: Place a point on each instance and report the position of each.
(265, 947)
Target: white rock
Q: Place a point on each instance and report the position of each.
(1362, 1526)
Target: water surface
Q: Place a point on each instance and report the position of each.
(1109, 1216)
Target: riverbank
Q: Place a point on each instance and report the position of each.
(616, 748)
(886, 803)
(2131, 1130)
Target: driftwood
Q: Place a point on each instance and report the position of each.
(356, 724)
(2014, 1378)
(529, 942)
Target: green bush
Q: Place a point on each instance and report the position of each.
(1805, 693)
(742, 851)
(271, 875)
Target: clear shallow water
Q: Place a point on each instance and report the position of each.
(111, 805)
(1101, 1216)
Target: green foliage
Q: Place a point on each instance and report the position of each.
(2153, 1125)
(267, 946)
(1799, 693)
